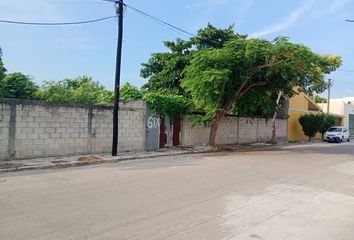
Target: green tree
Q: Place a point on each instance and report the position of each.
(311, 124)
(80, 90)
(17, 85)
(130, 92)
(319, 99)
(212, 37)
(172, 105)
(2, 68)
(165, 70)
(217, 78)
(327, 122)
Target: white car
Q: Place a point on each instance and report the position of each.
(337, 131)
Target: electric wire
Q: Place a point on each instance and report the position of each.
(66, 2)
(171, 26)
(56, 23)
(159, 20)
(167, 28)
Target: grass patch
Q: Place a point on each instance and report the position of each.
(273, 142)
(245, 145)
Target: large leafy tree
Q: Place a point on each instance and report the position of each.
(217, 78)
(165, 70)
(80, 90)
(307, 76)
(17, 85)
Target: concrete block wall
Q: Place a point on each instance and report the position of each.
(4, 129)
(49, 131)
(35, 129)
(247, 130)
(233, 130)
(131, 135)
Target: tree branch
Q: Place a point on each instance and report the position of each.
(257, 69)
(258, 84)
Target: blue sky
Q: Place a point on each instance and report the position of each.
(59, 52)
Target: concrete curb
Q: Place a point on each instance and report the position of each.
(94, 162)
(130, 158)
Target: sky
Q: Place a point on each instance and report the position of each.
(58, 52)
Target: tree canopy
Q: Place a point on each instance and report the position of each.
(217, 78)
(319, 99)
(130, 92)
(165, 70)
(80, 90)
(17, 85)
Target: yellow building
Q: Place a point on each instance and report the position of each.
(299, 105)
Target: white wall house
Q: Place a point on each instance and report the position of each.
(345, 107)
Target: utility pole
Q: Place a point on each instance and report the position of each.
(119, 11)
(329, 94)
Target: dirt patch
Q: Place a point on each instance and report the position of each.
(59, 161)
(90, 158)
(10, 165)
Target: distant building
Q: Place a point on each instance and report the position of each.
(343, 106)
(301, 104)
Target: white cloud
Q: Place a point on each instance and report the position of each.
(287, 22)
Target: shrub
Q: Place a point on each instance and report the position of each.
(311, 124)
(327, 122)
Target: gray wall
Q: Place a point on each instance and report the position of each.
(31, 129)
(233, 130)
(35, 129)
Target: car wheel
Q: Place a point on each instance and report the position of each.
(348, 140)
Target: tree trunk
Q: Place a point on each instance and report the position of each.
(216, 122)
(214, 127)
(274, 136)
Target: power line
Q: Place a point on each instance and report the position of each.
(165, 27)
(56, 23)
(65, 2)
(161, 21)
(153, 18)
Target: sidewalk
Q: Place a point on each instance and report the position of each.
(84, 160)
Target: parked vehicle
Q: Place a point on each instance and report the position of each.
(337, 132)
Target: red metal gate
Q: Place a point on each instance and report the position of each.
(176, 131)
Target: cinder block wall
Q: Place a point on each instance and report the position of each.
(233, 130)
(4, 129)
(35, 129)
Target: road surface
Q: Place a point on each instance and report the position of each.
(299, 192)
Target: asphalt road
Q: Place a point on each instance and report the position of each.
(298, 192)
